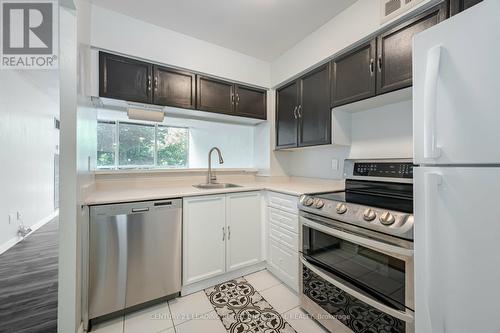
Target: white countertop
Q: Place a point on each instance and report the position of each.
(129, 191)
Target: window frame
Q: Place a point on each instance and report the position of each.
(155, 166)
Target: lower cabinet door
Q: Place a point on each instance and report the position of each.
(284, 263)
(274, 255)
(243, 220)
(290, 267)
(204, 237)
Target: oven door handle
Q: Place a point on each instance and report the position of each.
(388, 249)
(405, 316)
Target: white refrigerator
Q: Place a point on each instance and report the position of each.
(456, 128)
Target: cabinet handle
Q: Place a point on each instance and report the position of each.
(149, 82)
(295, 111)
(156, 83)
(228, 232)
(223, 233)
(298, 111)
(380, 63)
(372, 69)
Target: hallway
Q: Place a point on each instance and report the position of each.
(28, 283)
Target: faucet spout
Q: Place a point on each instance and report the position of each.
(211, 177)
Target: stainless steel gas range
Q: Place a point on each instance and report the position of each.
(356, 250)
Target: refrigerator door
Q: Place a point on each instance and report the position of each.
(457, 232)
(456, 89)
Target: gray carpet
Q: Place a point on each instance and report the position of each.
(28, 283)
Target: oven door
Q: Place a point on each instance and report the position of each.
(363, 281)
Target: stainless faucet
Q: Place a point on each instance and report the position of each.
(211, 177)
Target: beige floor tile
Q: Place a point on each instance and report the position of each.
(302, 322)
(111, 326)
(151, 320)
(281, 298)
(262, 280)
(189, 307)
(208, 323)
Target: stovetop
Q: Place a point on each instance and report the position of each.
(373, 203)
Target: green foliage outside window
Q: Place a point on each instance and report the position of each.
(141, 145)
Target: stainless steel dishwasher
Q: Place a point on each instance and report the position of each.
(134, 254)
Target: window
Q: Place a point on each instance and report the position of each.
(137, 145)
(172, 146)
(106, 143)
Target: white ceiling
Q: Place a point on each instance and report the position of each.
(260, 28)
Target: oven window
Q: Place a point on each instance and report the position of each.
(353, 313)
(378, 274)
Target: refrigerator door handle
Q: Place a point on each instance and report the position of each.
(432, 181)
(431, 150)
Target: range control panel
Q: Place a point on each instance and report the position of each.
(383, 169)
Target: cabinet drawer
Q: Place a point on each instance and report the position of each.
(287, 238)
(283, 201)
(285, 220)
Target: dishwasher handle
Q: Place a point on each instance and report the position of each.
(140, 210)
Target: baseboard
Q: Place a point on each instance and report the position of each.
(13, 241)
(197, 286)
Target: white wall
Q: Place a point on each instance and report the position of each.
(123, 34)
(384, 132)
(354, 23)
(29, 101)
(78, 147)
(235, 141)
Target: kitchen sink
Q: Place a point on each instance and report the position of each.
(215, 186)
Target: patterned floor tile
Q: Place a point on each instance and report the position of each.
(242, 309)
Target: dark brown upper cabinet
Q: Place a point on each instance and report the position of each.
(457, 6)
(353, 75)
(303, 114)
(394, 48)
(174, 88)
(287, 102)
(137, 81)
(314, 111)
(215, 95)
(250, 102)
(124, 78)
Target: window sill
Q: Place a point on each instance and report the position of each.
(172, 171)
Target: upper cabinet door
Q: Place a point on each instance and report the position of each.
(286, 115)
(215, 95)
(174, 88)
(394, 47)
(457, 6)
(354, 75)
(124, 78)
(251, 102)
(314, 109)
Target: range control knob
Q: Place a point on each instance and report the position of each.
(341, 208)
(302, 198)
(387, 218)
(308, 201)
(319, 204)
(369, 215)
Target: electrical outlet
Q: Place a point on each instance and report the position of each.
(18, 215)
(335, 164)
(12, 218)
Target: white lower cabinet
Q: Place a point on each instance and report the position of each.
(221, 233)
(204, 246)
(243, 247)
(283, 238)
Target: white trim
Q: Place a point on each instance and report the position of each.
(197, 286)
(13, 241)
